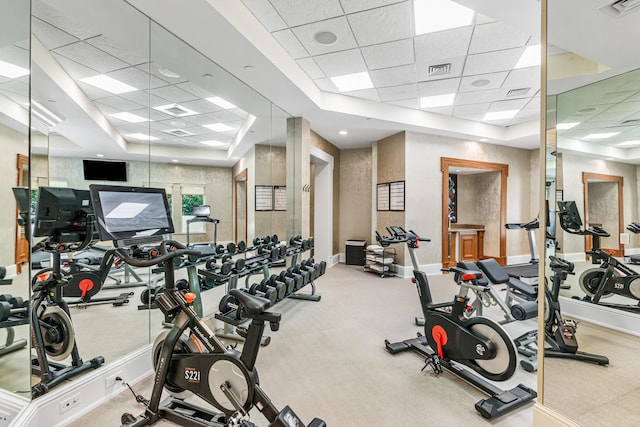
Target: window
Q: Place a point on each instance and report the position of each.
(192, 196)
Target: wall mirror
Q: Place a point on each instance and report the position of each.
(592, 160)
(14, 137)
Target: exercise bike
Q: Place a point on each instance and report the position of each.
(451, 339)
(189, 359)
(612, 277)
(559, 333)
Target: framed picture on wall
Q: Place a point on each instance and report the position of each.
(264, 197)
(280, 198)
(453, 198)
(383, 197)
(396, 196)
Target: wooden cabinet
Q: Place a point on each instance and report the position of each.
(468, 247)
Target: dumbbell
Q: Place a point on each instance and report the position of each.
(323, 267)
(149, 295)
(219, 249)
(7, 309)
(280, 288)
(5, 297)
(270, 293)
(242, 246)
(297, 278)
(182, 285)
(306, 275)
(311, 266)
(229, 303)
(288, 282)
(231, 248)
(238, 266)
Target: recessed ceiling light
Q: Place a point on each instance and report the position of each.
(175, 110)
(222, 103)
(530, 57)
(142, 137)
(109, 84)
(325, 37)
(248, 67)
(483, 139)
(437, 100)
(175, 160)
(177, 123)
(500, 115)
(12, 71)
(99, 155)
(130, 117)
(438, 15)
(168, 73)
(629, 144)
(566, 126)
(218, 127)
(480, 82)
(602, 135)
(343, 132)
(355, 81)
(213, 143)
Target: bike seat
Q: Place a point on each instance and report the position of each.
(483, 281)
(253, 305)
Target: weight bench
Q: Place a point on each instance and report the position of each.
(517, 290)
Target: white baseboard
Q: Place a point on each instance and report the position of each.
(573, 257)
(406, 271)
(335, 259)
(11, 405)
(543, 416)
(601, 315)
(90, 388)
(518, 259)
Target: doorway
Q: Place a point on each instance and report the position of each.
(240, 197)
(322, 204)
(603, 207)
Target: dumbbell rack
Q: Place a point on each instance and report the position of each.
(8, 324)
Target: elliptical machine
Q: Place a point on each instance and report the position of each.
(189, 359)
(559, 333)
(451, 339)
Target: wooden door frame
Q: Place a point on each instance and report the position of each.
(445, 164)
(22, 161)
(586, 176)
(242, 176)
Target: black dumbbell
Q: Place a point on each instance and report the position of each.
(288, 283)
(6, 310)
(280, 288)
(219, 249)
(210, 264)
(242, 246)
(297, 278)
(323, 267)
(238, 266)
(306, 275)
(182, 285)
(309, 264)
(148, 295)
(271, 294)
(228, 303)
(5, 297)
(274, 239)
(231, 248)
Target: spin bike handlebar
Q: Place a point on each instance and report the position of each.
(162, 254)
(400, 235)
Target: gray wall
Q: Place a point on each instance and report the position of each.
(355, 195)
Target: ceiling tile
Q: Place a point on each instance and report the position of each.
(75, 70)
(93, 92)
(266, 14)
(15, 56)
(296, 12)
(394, 76)
(382, 25)
(325, 85)
(311, 68)
(495, 81)
(154, 69)
(107, 109)
(224, 117)
(615, 97)
(438, 87)
(119, 103)
(633, 107)
(422, 69)
(506, 105)
(136, 78)
(390, 54)
(394, 93)
(126, 55)
(351, 6)
(430, 48)
(339, 26)
(492, 62)
(446, 111)
(143, 97)
(523, 77)
(195, 89)
(496, 36)
(290, 43)
(202, 106)
(480, 96)
(465, 110)
(58, 19)
(51, 37)
(483, 19)
(173, 94)
(409, 103)
(90, 56)
(370, 94)
(341, 63)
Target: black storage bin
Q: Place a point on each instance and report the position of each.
(355, 252)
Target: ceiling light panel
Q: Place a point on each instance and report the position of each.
(394, 76)
(339, 26)
(351, 82)
(394, 93)
(496, 36)
(136, 77)
(500, 115)
(437, 100)
(387, 55)
(267, 15)
(290, 43)
(567, 125)
(12, 71)
(601, 135)
(142, 137)
(383, 24)
(495, 81)
(175, 110)
(296, 13)
(84, 53)
(432, 48)
(531, 57)
(109, 84)
(491, 62)
(129, 117)
(627, 144)
(215, 143)
(219, 127)
(221, 102)
(438, 15)
(341, 63)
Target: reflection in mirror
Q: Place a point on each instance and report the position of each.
(85, 73)
(595, 194)
(14, 137)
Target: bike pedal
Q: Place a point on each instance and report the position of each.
(242, 332)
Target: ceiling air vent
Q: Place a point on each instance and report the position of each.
(514, 93)
(619, 8)
(178, 132)
(439, 70)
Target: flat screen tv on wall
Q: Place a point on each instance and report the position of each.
(99, 170)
